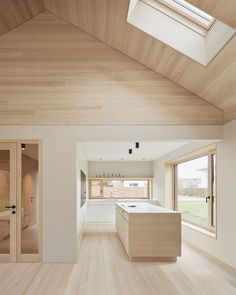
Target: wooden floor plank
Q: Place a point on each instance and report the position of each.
(104, 269)
(15, 278)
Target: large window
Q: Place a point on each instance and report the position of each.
(195, 190)
(107, 188)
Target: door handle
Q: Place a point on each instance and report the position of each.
(207, 198)
(10, 207)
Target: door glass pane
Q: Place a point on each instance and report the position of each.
(192, 190)
(4, 201)
(29, 198)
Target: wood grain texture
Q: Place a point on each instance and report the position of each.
(106, 20)
(16, 12)
(104, 269)
(51, 72)
(149, 236)
(224, 10)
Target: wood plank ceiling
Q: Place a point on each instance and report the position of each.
(52, 72)
(16, 12)
(106, 20)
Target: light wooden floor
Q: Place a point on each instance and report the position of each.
(105, 270)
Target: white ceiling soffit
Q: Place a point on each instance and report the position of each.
(119, 151)
(150, 17)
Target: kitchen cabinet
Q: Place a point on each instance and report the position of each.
(149, 232)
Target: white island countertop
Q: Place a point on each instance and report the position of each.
(142, 207)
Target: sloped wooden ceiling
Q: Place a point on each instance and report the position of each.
(16, 12)
(52, 72)
(106, 20)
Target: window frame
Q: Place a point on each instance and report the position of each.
(101, 179)
(180, 16)
(212, 214)
(189, 13)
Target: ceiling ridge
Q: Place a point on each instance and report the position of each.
(14, 28)
(20, 9)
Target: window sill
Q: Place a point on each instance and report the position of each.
(200, 229)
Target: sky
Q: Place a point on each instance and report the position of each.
(190, 169)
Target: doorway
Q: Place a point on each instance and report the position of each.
(20, 201)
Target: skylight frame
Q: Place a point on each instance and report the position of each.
(179, 32)
(190, 12)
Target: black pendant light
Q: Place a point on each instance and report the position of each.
(137, 145)
(130, 151)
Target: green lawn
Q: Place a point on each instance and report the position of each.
(194, 211)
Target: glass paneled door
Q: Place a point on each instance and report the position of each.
(20, 230)
(8, 202)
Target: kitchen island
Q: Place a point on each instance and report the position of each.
(148, 232)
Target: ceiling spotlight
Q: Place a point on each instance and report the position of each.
(130, 151)
(137, 145)
(23, 146)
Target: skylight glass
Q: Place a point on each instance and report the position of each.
(189, 11)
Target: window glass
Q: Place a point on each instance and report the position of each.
(189, 11)
(192, 190)
(120, 188)
(29, 199)
(213, 159)
(4, 201)
(95, 189)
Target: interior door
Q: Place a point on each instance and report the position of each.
(8, 202)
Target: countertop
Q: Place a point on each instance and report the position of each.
(143, 207)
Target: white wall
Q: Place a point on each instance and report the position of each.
(128, 169)
(223, 248)
(59, 156)
(82, 164)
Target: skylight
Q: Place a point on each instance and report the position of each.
(181, 26)
(189, 11)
